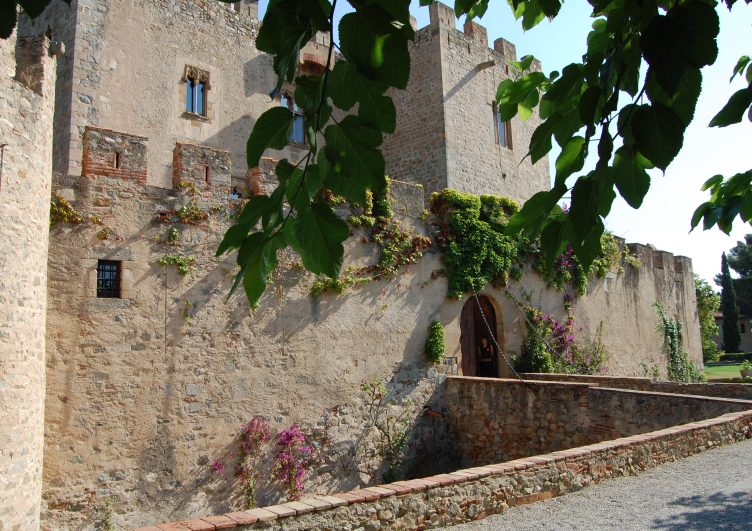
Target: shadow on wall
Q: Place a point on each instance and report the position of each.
(716, 511)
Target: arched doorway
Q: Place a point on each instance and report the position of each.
(473, 327)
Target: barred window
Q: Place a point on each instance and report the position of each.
(108, 279)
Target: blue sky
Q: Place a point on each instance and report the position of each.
(663, 219)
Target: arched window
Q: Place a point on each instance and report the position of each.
(196, 88)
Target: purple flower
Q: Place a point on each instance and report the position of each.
(218, 466)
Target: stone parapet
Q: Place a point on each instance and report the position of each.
(473, 493)
(114, 154)
(203, 166)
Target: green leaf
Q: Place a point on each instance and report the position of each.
(348, 87)
(630, 176)
(589, 104)
(740, 64)
(319, 234)
(571, 159)
(351, 160)
(733, 111)
(376, 46)
(272, 130)
(658, 132)
(237, 233)
(529, 220)
(257, 259)
(684, 100)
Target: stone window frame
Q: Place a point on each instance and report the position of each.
(497, 127)
(126, 279)
(196, 75)
(288, 94)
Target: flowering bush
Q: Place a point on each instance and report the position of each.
(551, 346)
(292, 458)
(253, 436)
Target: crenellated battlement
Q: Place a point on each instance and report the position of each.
(654, 259)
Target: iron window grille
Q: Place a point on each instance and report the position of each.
(109, 274)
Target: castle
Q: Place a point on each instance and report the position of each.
(124, 379)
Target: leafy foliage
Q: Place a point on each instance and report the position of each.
(475, 253)
(183, 263)
(61, 211)
(680, 369)
(730, 310)
(435, 342)
(551, 346)
(708, 302)
(740, 257)
(375, 57)
(477, 249)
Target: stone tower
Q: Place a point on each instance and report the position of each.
(447, 135)
(27, 84)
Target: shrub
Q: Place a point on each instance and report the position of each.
(435, 342)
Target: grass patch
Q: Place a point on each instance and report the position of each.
(722, 371)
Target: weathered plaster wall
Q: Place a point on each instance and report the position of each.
(445, 130)
(492, 421)
(26, 109)
(145, 391)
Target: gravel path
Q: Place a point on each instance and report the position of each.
(712, 490)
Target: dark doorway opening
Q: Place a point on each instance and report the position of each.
(473, 327)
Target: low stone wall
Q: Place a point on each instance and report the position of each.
(495, 420)
(475, 493)
(725, 390)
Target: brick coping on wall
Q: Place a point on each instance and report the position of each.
(639, 451)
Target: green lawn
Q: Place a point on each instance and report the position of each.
(722, 371)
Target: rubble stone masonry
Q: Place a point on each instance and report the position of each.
(26, 109)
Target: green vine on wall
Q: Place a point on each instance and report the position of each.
(477, 251)
(435, 347)
(680, 369)
(398, 247)
(183, 263)
(61, 211)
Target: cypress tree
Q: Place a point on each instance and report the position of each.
(731, 336)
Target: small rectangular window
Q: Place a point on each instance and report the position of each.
(502, 129)
(116, 161)
(108, 279)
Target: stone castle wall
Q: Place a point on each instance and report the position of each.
(445, 136)
(146, 390)
(27, 80)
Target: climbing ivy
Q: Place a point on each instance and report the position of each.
(61, 211)
(680, 369)
(471, 233)
(468, 232)
(183, 263)
(435, 342)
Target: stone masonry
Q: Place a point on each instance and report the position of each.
(27, 81)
